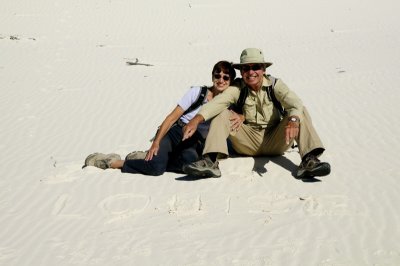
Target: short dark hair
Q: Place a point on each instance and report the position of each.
(225, 67)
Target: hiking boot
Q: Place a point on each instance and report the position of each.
(136, 155)
(203, 168)
(311, 166)
(101, 160)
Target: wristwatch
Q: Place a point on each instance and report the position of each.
(294, 119)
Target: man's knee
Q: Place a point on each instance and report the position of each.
(223, 116)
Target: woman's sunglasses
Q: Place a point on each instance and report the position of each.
(254, 67)
(225, 77)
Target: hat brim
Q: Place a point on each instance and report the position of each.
(238, 65)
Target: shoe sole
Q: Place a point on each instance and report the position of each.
(201, 173)
(100, 160)
(322, 170)
(89, 161)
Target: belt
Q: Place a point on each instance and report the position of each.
(180, 123)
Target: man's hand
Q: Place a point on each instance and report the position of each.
(191, 127)
(292, 131)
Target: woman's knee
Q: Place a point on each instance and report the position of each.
(154, 168)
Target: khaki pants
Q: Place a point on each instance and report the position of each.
(256, 142)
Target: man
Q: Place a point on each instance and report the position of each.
(265, 131)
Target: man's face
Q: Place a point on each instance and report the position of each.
(252, 75)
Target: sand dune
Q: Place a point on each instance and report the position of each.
(67, 91)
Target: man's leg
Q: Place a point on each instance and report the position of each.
(310, 148)
(220, 128)
(215, 146)
(245, 141)
(274, 142)
(308, 140)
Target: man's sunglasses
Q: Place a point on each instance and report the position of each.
(225, 77)
(255, 67)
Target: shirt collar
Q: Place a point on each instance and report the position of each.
(266, 81)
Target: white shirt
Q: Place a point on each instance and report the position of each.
(186, 101)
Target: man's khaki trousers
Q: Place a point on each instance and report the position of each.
(256, 141)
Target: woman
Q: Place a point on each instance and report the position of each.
(168, 152)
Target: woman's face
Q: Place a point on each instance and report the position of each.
(221, 81)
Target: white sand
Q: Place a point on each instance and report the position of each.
(67, 92)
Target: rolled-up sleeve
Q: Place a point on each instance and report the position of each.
(289, 100)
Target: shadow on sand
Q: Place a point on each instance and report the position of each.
(260, 169)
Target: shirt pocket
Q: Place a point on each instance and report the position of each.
(250, 109)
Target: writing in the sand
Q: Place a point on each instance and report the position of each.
(122, 206)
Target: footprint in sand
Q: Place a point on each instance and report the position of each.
(122, 206)
(185, 205)
(330, 205)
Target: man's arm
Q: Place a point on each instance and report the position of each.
(191, 127)
(209, 110)
(219, 103)
(293, 106)
(289, 100)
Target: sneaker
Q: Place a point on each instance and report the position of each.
(203, 168)
(101, 160)
(311, 166)
(136, 155)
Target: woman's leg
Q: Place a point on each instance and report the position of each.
(117, 164)
(178, 160)
(172, 155)
(185, 152)
(157, 166)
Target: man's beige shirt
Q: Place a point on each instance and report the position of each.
(258, 109)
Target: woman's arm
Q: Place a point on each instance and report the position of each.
(162, 131)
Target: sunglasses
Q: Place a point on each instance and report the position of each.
(254, 67)
(225, 77)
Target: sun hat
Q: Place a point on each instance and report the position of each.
(251, 56)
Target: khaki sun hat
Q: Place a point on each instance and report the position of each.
(251, 56)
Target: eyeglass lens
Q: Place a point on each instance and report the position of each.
(255, 67)
(218, 76)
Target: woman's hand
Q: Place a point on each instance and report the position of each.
(236, 120)
(152, 151)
